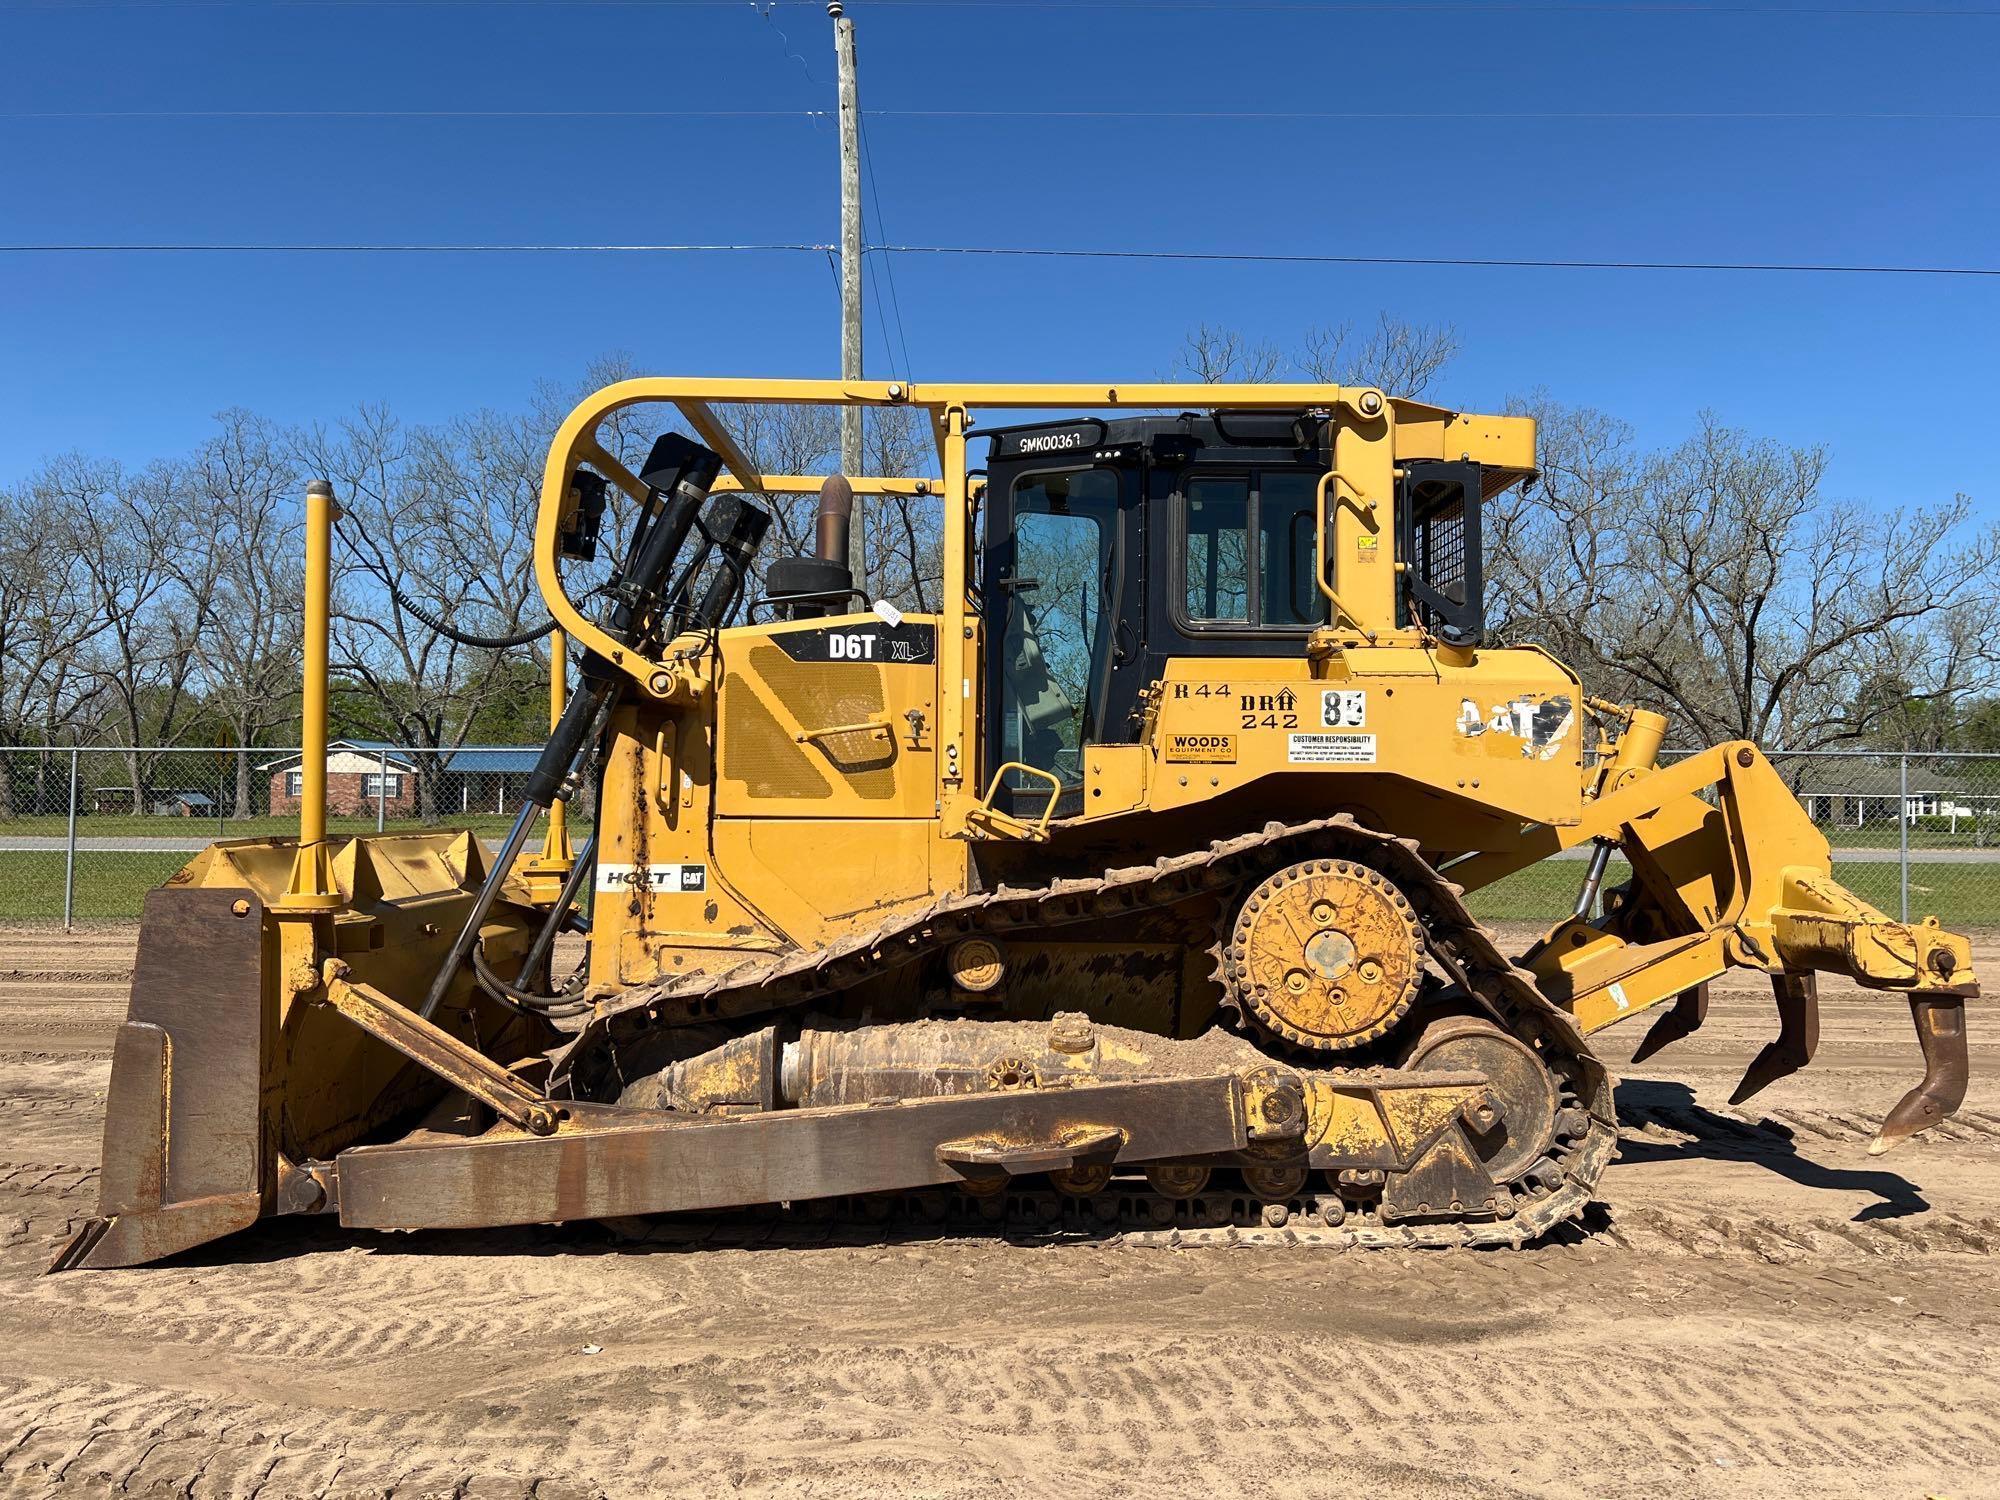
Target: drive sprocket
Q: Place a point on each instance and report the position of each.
(1325, 954)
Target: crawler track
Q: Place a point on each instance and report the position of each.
(1546, 1193)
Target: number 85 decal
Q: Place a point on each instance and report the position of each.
(1343, 708)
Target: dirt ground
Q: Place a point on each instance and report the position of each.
(1758, 1309)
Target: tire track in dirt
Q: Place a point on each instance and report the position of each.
(1097, 1418)
(1778, 1127)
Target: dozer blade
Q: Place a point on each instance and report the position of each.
(1797, 1039)
(237, 1074)
(183, 1161)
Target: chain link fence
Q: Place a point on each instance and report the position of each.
(86, 831)
(1913, 834)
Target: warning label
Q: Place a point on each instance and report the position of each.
(1332, 750)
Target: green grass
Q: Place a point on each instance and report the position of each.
(108, 886)
(1958, 895)
(128, 825)
(1883, 836)
(1541, 893)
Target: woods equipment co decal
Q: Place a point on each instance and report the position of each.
(1202, 749)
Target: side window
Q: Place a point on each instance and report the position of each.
(1247, 548)
(1285, 548)
(1217, 534)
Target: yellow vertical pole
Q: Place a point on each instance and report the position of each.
(556, 854)
(955, 668)
(312, 887)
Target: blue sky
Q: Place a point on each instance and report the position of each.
(127, 355)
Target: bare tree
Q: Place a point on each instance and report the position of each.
(786, 440)
(627, 433)
(145, 574)
(1398, 357)
(437, 531)
(245, 487)
(902, 534)
(1717, 580)
(1402, 358)
(45, 619)
(1214, 355)
(906, 532)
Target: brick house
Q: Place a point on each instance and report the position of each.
(354, 785)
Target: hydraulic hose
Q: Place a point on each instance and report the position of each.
(534, 966)
(558, 1006)
(642, 606)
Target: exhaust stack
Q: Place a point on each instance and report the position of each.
(810, 588)
(835, 522)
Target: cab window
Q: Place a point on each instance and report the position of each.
(1216, 546)
(1247, 548)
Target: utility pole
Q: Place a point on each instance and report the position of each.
(850, 278)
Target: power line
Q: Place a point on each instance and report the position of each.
(410, 114)
(1237, 257)
(1330, 7)
(1445, 7)
(881, 318)
(1498, 262)
(888, 263)
(1338, 6)
(1868, 116)
(385, 248)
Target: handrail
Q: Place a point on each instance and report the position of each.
(1320, 529)
(1039, 829)
(808, 736)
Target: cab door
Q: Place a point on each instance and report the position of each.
(1052, 576)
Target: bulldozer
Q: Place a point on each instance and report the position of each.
(1123, 891)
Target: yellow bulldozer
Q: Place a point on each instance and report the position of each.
(1124, 893)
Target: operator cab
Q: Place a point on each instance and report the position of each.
(1112, 546)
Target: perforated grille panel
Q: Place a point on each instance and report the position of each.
(1441, 550)
(1440, 540)
(758, 751)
